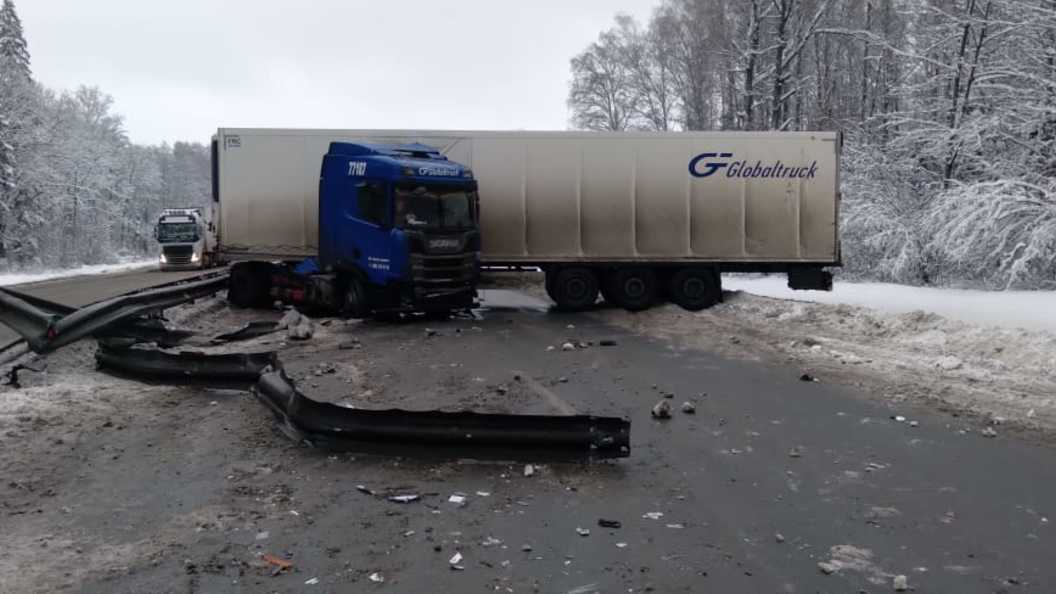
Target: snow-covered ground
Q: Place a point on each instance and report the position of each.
(1031, 310)
(32, 277)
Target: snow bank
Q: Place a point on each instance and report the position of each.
(33, 277)
(1030, 310)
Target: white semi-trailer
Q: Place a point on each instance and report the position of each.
(634, 216)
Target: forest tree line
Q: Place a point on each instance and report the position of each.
(73, 188)
(948, 109)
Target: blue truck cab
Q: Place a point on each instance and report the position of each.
(398, 228)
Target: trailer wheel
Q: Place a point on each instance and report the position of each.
(574, 288)
(695, 288)
(247, 285)
(633, 288)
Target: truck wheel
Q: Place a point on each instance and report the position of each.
(633, 288)
(575, 288)
(695, 288)
(247, 286)
(355, 305)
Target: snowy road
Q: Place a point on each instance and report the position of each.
(773, 485)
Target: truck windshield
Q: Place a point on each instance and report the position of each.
(177, 232)
(421, 206)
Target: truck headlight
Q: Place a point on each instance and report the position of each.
(194, 257)
(162, 259)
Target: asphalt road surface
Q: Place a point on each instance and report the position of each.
(773, 485)
(78, 291)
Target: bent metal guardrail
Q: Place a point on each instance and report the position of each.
(47, 326)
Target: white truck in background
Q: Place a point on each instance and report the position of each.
(187, 237)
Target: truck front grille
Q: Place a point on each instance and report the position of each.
(436, 272)
(178, 254)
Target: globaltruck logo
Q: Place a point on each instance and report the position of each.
(708, 164)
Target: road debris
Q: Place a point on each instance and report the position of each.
(330, 425)
(568, 346)
(806, 377)
(527, 548)
(458, 499)
(278, 563)
(490, 541)
(661, 410)
(583, 531)
(779, 538)
(311, 582)
(900, 583)
(376, 577)
(898, 418)
(989, 432)
(182, 367)
(914, 424)
(653, 515)
(529, 470)
(249, 331)
(298, 326)
(607, 342)
(795, 452)
(827, 568)
(407, 498)
(689, 408)
(609, 523)
(621, 545)
(455, 560)
(364, 489)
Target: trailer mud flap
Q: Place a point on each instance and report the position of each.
(186, 367)
(461, 433)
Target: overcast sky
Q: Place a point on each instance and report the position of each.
(179, 69)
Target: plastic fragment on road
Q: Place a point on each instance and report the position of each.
(689, 408)
(900, 583)
(529, 470)
(278, 563)
(653, 515)
(376, 577)
(311, 582)
(583, 531)
(405, 498)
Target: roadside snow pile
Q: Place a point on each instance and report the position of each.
(908, 356)
(1032, 310)
(20, 278)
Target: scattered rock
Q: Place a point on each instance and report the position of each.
(583, 531)
(298, 326)
(795, 452)
(806, 377)
(551, 348)
(455, 560)
(827, 568)
(311, 582)
(662, 410)
(430, 332)
(689, 408)
(779, 538)
(899, 418)
(949, 363)
(914, 424)
(562, 380)
(529, 470)
(669, 395)
(653, 515)
(989, 432)
(609, 523)
(527, 548)
(350, 345)
(404, 498)
(570, 327)
(901, 583)
(568, 346)
(502, 390)
(376, 577)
